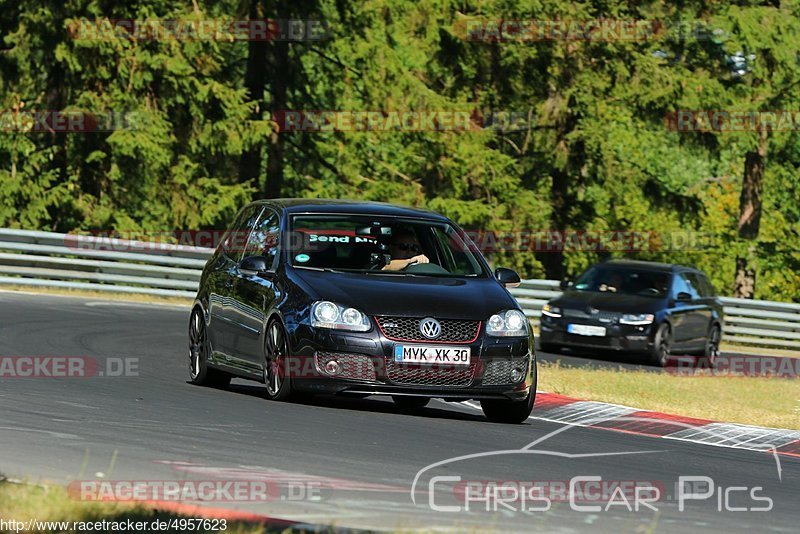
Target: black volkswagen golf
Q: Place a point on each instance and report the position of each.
(637, 307)
(361, 298)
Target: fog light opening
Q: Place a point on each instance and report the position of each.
(518, 372)
(333, 368)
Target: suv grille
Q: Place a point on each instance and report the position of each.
(600, 316)
(407, 329)
(429, 375)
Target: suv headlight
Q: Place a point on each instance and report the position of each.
(326, 314)
(507, 323)
(551, 311)
(638, 319)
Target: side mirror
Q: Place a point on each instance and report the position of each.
(564, 284)
(507, 277)
(683, 296)
(253, 265)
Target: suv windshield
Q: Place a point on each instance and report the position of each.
(624, 281)
(359, 243)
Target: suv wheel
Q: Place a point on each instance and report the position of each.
(711, 351)
(659, 354)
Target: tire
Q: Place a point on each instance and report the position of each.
(410, 403)
(659, 354)
(200, 373)
(276, 364)
(711, 350)
(508, 411)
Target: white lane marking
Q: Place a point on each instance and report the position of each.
(727, 435)
(49, 432)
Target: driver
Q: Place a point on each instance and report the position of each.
(405, 250)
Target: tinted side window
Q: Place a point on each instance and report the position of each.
(683, 284)
(706, 286)
(263, 240)
(235, 240)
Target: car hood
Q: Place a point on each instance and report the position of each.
(412, 296)
(609, 302)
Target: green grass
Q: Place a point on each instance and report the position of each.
(101, 295)
(23, 502)
(771, 402)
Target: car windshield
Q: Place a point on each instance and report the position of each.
(381, 245)
(624, 281)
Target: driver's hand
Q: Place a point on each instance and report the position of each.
(421, 258)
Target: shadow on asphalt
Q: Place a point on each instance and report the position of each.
(362, 404)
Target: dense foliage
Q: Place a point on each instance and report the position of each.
(590, 151)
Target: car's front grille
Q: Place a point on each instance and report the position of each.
(430, 375)
(601, 316)
(407, 329)
(353, 366)
(498, 372)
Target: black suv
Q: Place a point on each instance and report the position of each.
(639, 307)
(361, 298)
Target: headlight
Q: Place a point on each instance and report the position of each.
(551, 311)
(507, 323)
(326, 314)
(637, 318)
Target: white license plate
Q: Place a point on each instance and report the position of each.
(586, 330)
(432, 354)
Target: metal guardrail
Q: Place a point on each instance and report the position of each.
(74, 261)
(46, 259)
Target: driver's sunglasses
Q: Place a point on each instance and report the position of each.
(406, 247)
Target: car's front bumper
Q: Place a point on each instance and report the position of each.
(621, 338)
(367, 367)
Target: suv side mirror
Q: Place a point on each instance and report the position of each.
(564, 284)
(683, 296)
(252, 265)
(507, 277)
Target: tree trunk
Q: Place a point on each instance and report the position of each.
(278, 90)
(750, 218)
(255, 82)
(552, 257)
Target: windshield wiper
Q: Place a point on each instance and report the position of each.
(321, 269)
(389, 273)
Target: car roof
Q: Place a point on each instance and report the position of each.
(651, 266)
(359, 207)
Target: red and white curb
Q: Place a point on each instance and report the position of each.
(567, 410)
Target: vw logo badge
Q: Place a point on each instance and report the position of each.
(430, 328)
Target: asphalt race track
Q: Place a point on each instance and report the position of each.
(343, 461)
